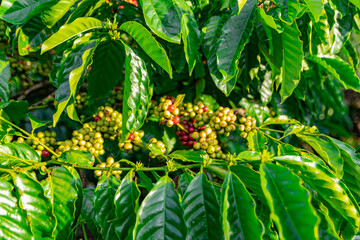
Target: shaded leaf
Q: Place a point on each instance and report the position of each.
(126, 205)
(201, 210)
(5, 74)
(188, 156)
(36, 123)
(160, 215)
(239, 220)
(288, 10)
(316, 8)
(16, 110)
(88, 211)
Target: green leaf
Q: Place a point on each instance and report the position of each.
(17, 154)
(281, 119)
(88, 211)
(38, 208)
(339, 69)
(250, 178)
(162, 18)
(269, 20)
(188, 156)
(325, 184)
(183, 183)
(78, 158)
(5, 74)
(63, 202)
(16, 110)
(126, 205)
(106, 69)
(239, 220)
(288, 10)
(351, 167)
(235, 34)
(327, 151)
(289, 202)
(148, 43)
(356, 3)
(169, 139)
(160, 215)
(70, 73)
(32, 35)
(201, 210)
(211, 34)
(293, 129)
(20, 11)
(137, 92)
(70, 30)
(146, 180)
(53, 14)
(293, 54)
(36, 123)
(105, 207)
(190, 35)
(267, 88)
(14, 224)
(249, 156)
(257, 141)
(316, 8)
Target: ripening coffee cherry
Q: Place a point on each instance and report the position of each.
(45, 153)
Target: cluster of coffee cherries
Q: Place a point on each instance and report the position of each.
(3, 36)
(223, 121)
(191, 111)
(167, 112)
(108, 121)
(247, 125)
(206, 140)
(81, 101)
(185, 134)
(116, 96)
(154, 143)
(133, 142)
(47, 138)
(110, 163)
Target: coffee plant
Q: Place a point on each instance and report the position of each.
(198, 119)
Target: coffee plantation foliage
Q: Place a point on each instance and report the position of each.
(203, 119)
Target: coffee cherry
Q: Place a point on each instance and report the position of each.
(45, 153)
(97, 118)
(176, 120)
(131, 136)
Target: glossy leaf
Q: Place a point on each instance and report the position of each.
(351, 167)
(126, 205)
(38, 208)
(250, 178)
(249, 156)
(14, 224)
(235, 34)
(78, 158)
(160, 215)
(162, 19)
(327, 151)
(32, 35)
(239, 220)
(106, 69)
(105, 207)
(20, 11)
(16, 110)
(201, 210)
(63, 202)
(53, 14)
(293, 129)
(188, 156)
(288, 10)
(316, 8)
(183, 183)
(293, 54)
(269, 20)
(339, 69)
(88, 211)
(36, 123)
(70, 73)
(289, 203)
(190, 35)
(282, 119)
(257, 141)
(137, 92)
(17, 154)
(148, 43)
(211, 34)
(5, 74)
(70, 30)
(325, 184)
